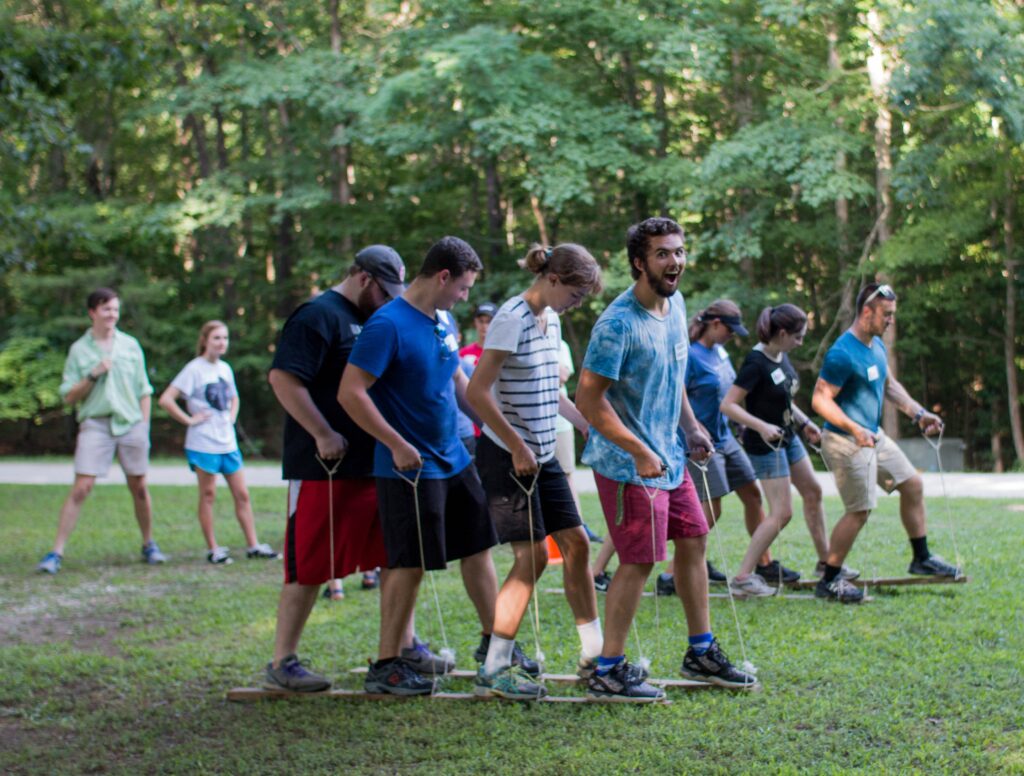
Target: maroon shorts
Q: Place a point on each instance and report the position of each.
(627, 511)
(358, 543)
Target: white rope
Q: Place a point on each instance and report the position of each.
(937, 447)
(777, 541)
(747, 665)
(447, 653)
(538, 652)
(645, 660)
(330, 514)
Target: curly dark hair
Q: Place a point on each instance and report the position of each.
(638, 236)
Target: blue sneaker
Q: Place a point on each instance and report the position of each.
(50, 564)
(422, 660)
(151, 554)
(594, 538)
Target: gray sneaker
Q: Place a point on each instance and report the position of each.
(50, 564)
(753, 586)
(423, 661)
(293, 677)
(585, 668)
(151, 554)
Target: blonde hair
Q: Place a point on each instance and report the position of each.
(204, 334)
(572, 264)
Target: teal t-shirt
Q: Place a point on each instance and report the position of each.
(859, 372)
(645, 358)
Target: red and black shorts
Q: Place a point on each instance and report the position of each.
(358, 542)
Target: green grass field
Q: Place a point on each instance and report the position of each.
(115, 667)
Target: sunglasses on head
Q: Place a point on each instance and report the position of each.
(885, 291)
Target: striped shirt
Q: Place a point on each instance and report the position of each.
(526, 390)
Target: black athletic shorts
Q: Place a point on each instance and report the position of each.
(453, 516)
(553, 506)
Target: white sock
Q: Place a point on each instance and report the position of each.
(499, 654)
(591, 638)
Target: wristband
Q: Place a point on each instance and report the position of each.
(918, 415)
(91, 377)
(803, 425)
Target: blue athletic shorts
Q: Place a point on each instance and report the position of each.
(214, 463)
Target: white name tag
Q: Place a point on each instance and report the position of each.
(722, 352)
(872, 373)
(681, 351)
(356, 328)
(778, 376)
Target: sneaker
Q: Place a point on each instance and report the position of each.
(335, 592)
(396, 678)
(293, 676)
(772, 573)
(594, 538)
(838, 590)
(419, 658)
(151, 554)
(624, 683)
(714, 667)
(50, 564)
(585, 667)
(264, 551)
(371, 580)
(845, 572)
(519, 657)
(512, 683)
(666, 584)
(601, 582)
(715, 577)
(753, 586)
(219, 555)
(934, 566)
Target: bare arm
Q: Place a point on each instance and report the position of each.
(824, 403)
(236, 405)
(807, 426)
(146, 405)
(592, 401)
(929, 422)
(482, 400)
(294, 396)
(354, 395)
(169, 401)
(732, 408)
(569, 411)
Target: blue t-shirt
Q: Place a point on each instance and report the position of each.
(414, 358)
(645, 357)
(709, 375)
(465, 424)
(859, 371)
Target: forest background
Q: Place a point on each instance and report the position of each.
(226, 159)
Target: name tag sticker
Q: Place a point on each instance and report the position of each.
(873, 372)
(680, 351)
(450, 343)
(778, 376)
(722, 352)
(355, 328)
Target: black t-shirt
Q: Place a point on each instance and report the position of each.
(315, 344)
(770, 386)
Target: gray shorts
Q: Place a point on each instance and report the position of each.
(728, 469)
(856, 469)
(95, 448)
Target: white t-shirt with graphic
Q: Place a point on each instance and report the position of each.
(209, 387)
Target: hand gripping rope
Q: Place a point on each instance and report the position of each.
(447, 653)
(538, 652)
(749, 667)
(937, 447)
(330, 510)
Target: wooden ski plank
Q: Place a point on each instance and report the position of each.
(806, 584)
(253, 694)
(725, 596)
(681, 684)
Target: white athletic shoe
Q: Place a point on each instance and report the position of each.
(753, 586)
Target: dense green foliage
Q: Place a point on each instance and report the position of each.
(224, 159)
(117, 667)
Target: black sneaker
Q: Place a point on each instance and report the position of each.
(838, 590)
(716, 577)
(666, 584)
(519, 657)
(714, 667)
(774, 571)
(396, 678)
(934, 566)
(624, 683)
(601, 582)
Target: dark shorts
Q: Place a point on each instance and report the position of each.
(358, 544)
(728, 469)
(553, 506)
(639, 536)
(453, 516)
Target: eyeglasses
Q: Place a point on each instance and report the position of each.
(885, 291)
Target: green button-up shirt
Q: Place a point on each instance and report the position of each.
(116, 394)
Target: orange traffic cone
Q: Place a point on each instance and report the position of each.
(554, 556)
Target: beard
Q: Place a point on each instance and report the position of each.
(660, 285)
(366, 303)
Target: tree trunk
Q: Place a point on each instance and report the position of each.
(495, 216)
(842, 205)
(1010, 326)
(342, 152)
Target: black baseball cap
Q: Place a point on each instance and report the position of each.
(734, 322)
(384, 265)
(487, 308)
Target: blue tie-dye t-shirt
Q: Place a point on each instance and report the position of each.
(644, 356)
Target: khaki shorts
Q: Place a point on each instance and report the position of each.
(95, 448)
(565, 450)
(856, 469)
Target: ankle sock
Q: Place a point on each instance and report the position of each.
(499, 654)
(606, 664)
(920, 547)
(385, 662)
(701, 643)
(831, 572)
(591, 638)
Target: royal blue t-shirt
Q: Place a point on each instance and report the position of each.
(859, 371)
(414, 358)
(709, 375)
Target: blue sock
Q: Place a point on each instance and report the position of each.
(606, 664)
(701, 642)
